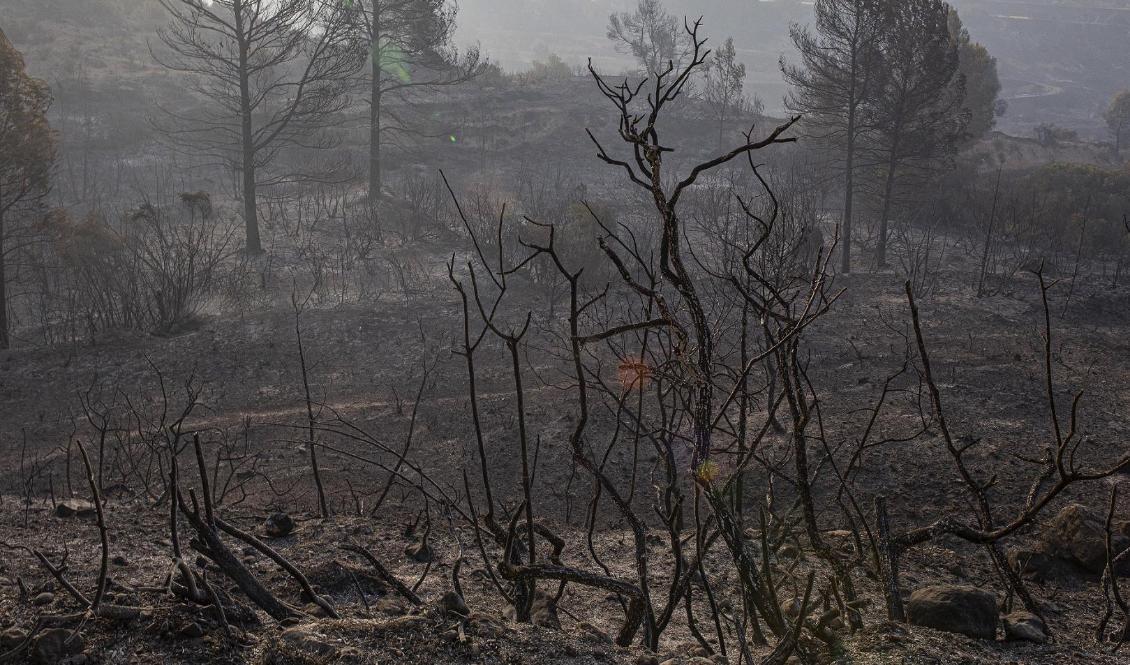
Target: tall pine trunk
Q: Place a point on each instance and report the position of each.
(888, 190)
(5, 342)
(247, 136)
(849, 191)
(375, 180)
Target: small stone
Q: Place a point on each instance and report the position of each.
(303, 637)
(1025, 627)
(278, 525)
(390, 606)
(316, 610)
(119, 560)
(75, 508)
(545, 612)
(42, 599)
(54, 645)
(647, 659)
(599, 634)
(191, 631)
(453, 603)
(791, 608)
(12, 638)
(419, 552)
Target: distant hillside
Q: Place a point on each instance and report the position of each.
(95, 56)
(1060, 60)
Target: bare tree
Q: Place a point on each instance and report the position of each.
(273, 73)
(408, 44)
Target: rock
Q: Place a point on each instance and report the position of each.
(278, 525)
(316, 610)
(791, 608)
(419, 551)
(597, 633)
(303, 638)
(453, 603)
(956, 609)
(191, 631)
(543, 613)
(75, 508)
(647, 659)
(54, 645)
(1033, 563)
(45, 598)
(119, 560)
(391, 606)
(1025, 627)
(1078, 535)
(11, 638)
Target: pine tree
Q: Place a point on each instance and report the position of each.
(27, 154)
(408, 43)
(833, 82)
(916, 110)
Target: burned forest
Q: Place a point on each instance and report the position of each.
(651, 332)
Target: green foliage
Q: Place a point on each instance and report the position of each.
(553, 68)
(26, 140)
(982, 85)
(1049, 135)
(1117, 117)
(650, 34)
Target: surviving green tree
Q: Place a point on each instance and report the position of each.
(27, 146)
(834, 81)
(916, 113)
(408, 45)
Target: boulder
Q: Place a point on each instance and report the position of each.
(1023, 626)
(278, 525)
(955, 609)
(11, 638)
(1036, 563)
(55, 645)
(543, 613)
(453, 603)
(75, 508)
(419, 551)
(304, 639)
(1078, 535)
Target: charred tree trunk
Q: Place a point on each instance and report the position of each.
(247, 141)
(5, 341)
